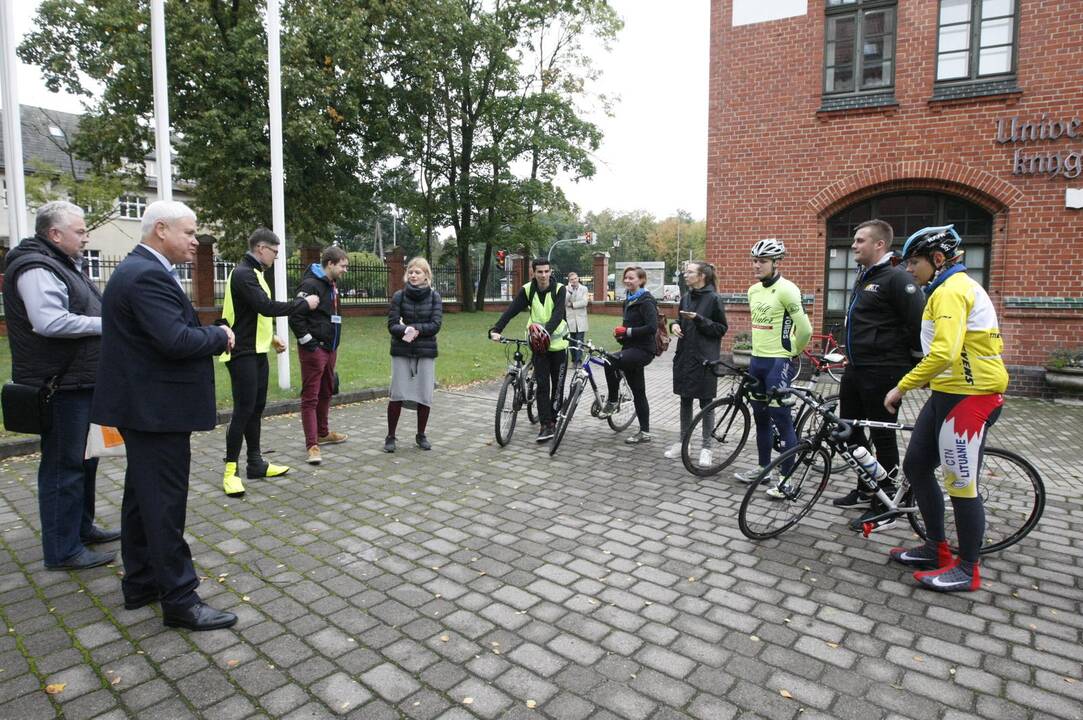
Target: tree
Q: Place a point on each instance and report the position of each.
(674, 248)
(337, 135)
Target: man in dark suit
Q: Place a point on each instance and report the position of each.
(156, 385)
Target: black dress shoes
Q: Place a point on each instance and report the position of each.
(199, 617)
(100, 535)
(85, 559)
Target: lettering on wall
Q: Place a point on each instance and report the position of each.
(1021, 132)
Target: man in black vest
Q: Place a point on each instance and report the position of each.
(883, 341)
(54, 328)
(156, 386)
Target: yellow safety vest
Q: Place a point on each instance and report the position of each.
(264, 324)
(540, 312)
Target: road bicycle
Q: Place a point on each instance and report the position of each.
(1011, 488)
(824, 354)
(582, 376)
(718, 432)
(517, 390)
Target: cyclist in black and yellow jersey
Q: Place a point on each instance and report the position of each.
(547, 331)
(963, 367)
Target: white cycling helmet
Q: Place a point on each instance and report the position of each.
(769, 248)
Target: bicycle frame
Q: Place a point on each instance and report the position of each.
(583, 370)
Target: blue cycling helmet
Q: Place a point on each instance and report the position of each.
(927, 240)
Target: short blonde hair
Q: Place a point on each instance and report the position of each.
(418, 262)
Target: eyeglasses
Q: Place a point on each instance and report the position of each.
(272, 248)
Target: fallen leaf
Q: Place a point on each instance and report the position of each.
(754, 638)
(918, 658)
(232, 663)
(531, 704)
(115, 680)
(786, 694)
(468, 701)
(55, 688)
(444, 638)
(832, 645)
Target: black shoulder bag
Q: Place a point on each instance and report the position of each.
(28, 408)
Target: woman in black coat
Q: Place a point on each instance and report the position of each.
(700, 325)
(636, 335)
(413, 320)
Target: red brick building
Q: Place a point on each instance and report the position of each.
(825, 113)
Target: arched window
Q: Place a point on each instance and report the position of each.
(907, 213)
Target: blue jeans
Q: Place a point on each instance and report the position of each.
(65, 479)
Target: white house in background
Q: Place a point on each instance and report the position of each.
(45, 133)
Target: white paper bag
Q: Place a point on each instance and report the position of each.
(104, 441)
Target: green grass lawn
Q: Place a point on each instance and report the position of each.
(364, 361)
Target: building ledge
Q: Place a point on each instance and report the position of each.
(1044, 303)
(872, 102)
(964, 92)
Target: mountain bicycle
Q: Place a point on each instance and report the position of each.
(1010, 487)
(583, 375)
(824, 354)
(517, 390)
(719, 431)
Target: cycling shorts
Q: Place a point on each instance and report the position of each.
(771, 373)
(954, 427)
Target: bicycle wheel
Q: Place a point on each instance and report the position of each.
(531, 394)
(811, 421)
(621, 419)
(835, 370)
(797, 365)
(729, 426)
(507, 409)
(1012, 493)
(762, 516)
(564, 417)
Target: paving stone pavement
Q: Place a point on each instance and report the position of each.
(482, 582)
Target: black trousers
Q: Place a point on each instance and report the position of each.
(549, 370)
(631, 362)
(861, 397)
(153, 511)
(248, 378)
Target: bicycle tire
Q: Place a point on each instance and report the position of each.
(1012, 493)
(564, 417)
(835, 370)
(730, 431)
(531, 385)
(811, 421)
(627, 413)
(762, 517)
(507, 409)
(798, 364)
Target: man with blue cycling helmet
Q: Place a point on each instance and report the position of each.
(963, 367)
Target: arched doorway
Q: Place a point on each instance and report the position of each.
(907, 213)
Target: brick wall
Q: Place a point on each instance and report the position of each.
(779, 166)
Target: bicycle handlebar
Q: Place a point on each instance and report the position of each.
(509, 341)
(588, 347)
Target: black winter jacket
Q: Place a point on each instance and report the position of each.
(883, 321)
(422, 308)
(317, 325)
(250, 301)
(34, 358)
(700, 341)
(641, 323)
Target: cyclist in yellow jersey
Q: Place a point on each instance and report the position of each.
(964, 369)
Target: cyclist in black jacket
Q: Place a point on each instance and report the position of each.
(248, 309)
(636, 335)
(883, 341)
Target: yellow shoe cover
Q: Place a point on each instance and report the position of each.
(231, 483)
(276, 470)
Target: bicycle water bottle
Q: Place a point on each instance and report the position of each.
(869, 465)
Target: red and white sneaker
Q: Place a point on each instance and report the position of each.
(950, 579)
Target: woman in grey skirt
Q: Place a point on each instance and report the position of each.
(413, 320)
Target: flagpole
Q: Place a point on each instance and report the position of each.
(162, 145)
(278, 208)
(18, 227)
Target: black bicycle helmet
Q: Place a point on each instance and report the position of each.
(930, 239)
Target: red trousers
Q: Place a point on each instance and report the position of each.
(317, 382)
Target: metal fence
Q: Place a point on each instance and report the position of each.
(365, 284)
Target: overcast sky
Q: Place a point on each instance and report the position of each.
(654, 155)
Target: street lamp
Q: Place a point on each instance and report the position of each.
(586, 238)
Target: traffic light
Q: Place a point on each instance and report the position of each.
(588, 237)
(500, 255)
